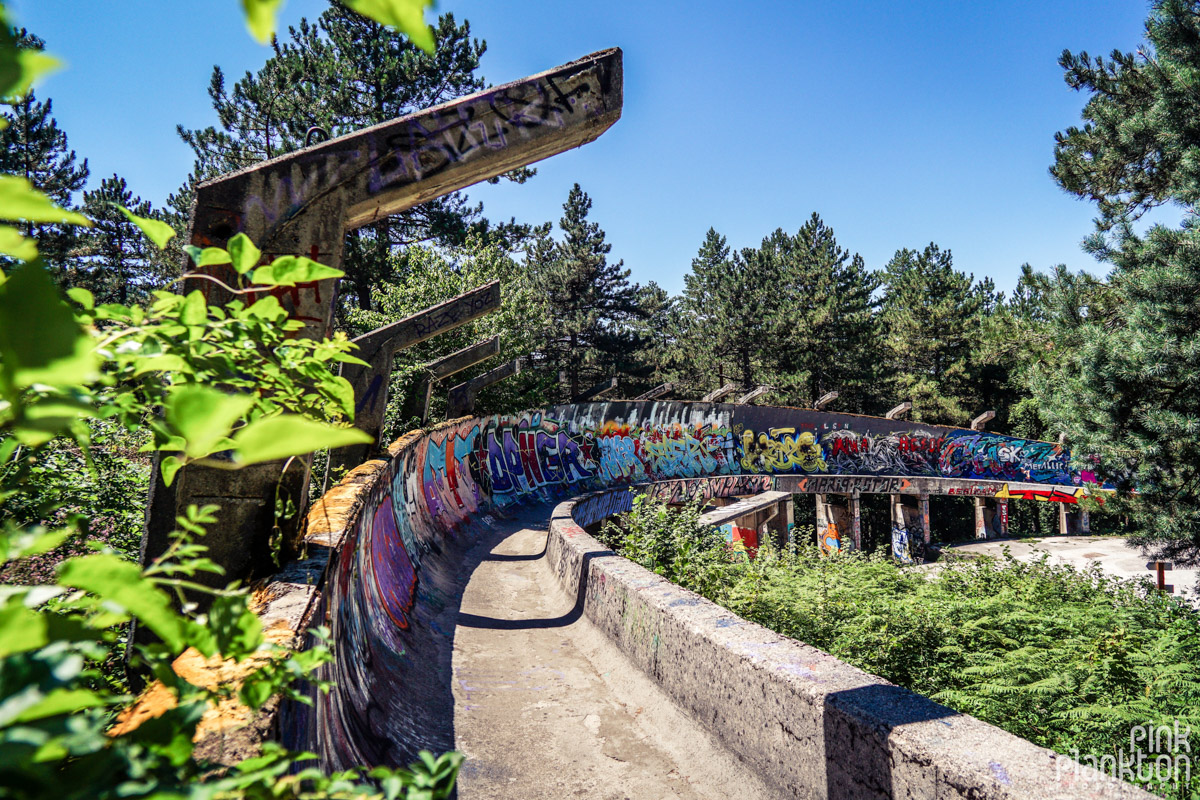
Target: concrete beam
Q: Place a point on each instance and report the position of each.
(379, 348)
(899, 411)
(461, 402)
(302, 203)
(983, 419)
(717, 394)
(419, 397)
(600, 389)
(662, 390)
(753, 395)
(825, 400)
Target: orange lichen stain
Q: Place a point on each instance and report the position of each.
(209, 673)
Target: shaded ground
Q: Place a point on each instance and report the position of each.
(1112, 553)
(547, 707)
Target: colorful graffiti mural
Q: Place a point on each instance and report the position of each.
(392, 580)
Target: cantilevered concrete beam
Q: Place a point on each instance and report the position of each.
(899, 411)
(983, 419)
(599, 390)
(302, 204)
(379, 348)
(825, 400)
(461, 401)
(662, 390)
(759, 392)
(417, 404)
(717, 394)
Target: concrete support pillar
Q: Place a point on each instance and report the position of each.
(856, 520)
(981, 531)
(1085, 522)
(923, 512)
(1064, 522)
(1002, 513)
(833, 527)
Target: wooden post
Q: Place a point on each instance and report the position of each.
(304, 202)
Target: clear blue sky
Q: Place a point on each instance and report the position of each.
(900, 123)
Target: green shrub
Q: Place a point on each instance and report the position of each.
(1067, 659)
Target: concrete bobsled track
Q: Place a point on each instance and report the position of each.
(469, 609)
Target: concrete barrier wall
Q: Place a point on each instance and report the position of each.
(812, 725)
(395, 538)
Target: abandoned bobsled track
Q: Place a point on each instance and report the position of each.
(469, 609)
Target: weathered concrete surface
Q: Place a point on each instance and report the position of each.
(1112, 554)
(545, 706)
(811, 725)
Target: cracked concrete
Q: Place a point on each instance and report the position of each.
(546, 706)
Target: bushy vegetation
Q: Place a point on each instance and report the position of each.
(1067, 659)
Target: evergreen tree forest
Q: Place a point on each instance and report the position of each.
(1106, 361)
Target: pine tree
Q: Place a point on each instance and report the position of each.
(114, 260)
(726, 313)
(33, 147)
(1125, 387)
(931, 318)
(592, 304)
(340, 74)
(825, 338)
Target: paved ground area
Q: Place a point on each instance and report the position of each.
(1112, 553)
(547, 707)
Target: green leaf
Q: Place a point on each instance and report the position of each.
(169, 466)
(163, 363)
(289, 435)
(407, 16)
(155, 230)
(20, 201)
(290, 270)
(208, 257)
(19, 68)
(40, 341)
(83, 297)
(111, 578)
(194, 310)
(21, 629)
(260, 18)
(14, 243)
(63, 701)
(31, 542)
(341, 389)
(243, 254)
(204, 416)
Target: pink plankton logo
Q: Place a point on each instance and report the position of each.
(1156, 754)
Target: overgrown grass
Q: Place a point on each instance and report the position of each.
(1067, 659)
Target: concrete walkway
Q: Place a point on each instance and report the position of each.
(547, 707)
(1112, 553)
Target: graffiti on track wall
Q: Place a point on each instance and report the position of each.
(392, 580)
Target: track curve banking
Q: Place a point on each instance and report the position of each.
(422, 550)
